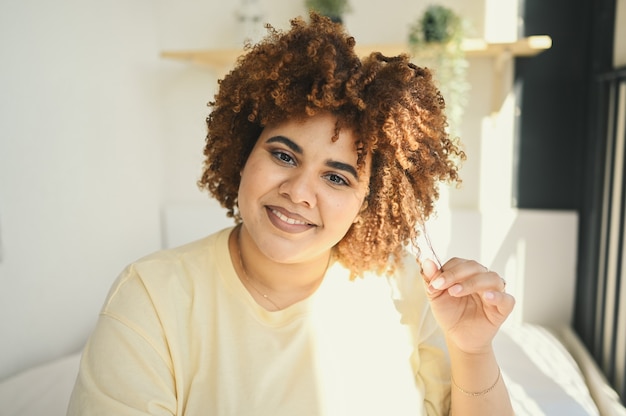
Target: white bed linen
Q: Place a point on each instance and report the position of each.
(43, 390)
(541, 375)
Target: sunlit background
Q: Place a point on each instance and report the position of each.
(101, 147)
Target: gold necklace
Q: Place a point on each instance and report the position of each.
(245, 274)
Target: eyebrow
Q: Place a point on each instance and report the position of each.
(297, 149)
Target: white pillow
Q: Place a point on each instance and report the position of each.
(541, 375)
(42, 390)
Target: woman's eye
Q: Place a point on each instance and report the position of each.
(336, 179)
(283, 157)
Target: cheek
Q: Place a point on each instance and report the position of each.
(252, 175)
(248, 184)
(346, 210)
(257, 179)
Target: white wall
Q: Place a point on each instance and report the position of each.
(80, 158)
(101, 142)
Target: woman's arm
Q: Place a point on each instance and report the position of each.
(477, 385)
(470, 305)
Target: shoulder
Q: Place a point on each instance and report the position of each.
(170, 272)
(187, 258)
(190, 252)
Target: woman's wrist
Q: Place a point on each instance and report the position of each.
(474, 373)
(474, 352)
(478, 393)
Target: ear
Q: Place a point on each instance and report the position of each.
(362, 210)
(364, 207)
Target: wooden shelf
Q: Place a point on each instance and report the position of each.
(525, 47)
(220, 59)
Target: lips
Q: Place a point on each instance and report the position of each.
(288, 221)
(286, 218)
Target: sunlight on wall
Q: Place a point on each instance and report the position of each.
(501, 20)
(497, 157)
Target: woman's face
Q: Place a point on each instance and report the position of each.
(300, 191)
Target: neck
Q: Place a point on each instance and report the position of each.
(281, 284)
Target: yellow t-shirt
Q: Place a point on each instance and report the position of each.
(180, 335)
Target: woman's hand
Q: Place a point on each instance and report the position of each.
(468, 301)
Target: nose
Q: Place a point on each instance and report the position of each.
(300, 187)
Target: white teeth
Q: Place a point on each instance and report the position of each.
(287, 219)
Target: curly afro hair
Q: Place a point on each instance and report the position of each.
(391, 105)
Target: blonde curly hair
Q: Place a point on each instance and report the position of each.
(391, 105)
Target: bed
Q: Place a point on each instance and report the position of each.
(548, 372)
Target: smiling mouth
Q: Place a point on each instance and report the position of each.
(288, 220)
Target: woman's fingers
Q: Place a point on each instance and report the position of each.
(429, 269)
(463, 277)
(502, 301)
(478, 283)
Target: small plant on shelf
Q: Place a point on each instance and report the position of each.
(435, 41)
(334, 9)
(438, 24)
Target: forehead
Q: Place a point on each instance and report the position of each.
(321, 129)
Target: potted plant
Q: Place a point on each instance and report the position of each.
(438, 24)
(435, 41)
(334, 9)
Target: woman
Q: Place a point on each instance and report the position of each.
(311, 304)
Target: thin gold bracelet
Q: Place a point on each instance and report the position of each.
(478, 393)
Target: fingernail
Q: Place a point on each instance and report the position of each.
(455, 290)
(438, 283)
(489, 295)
